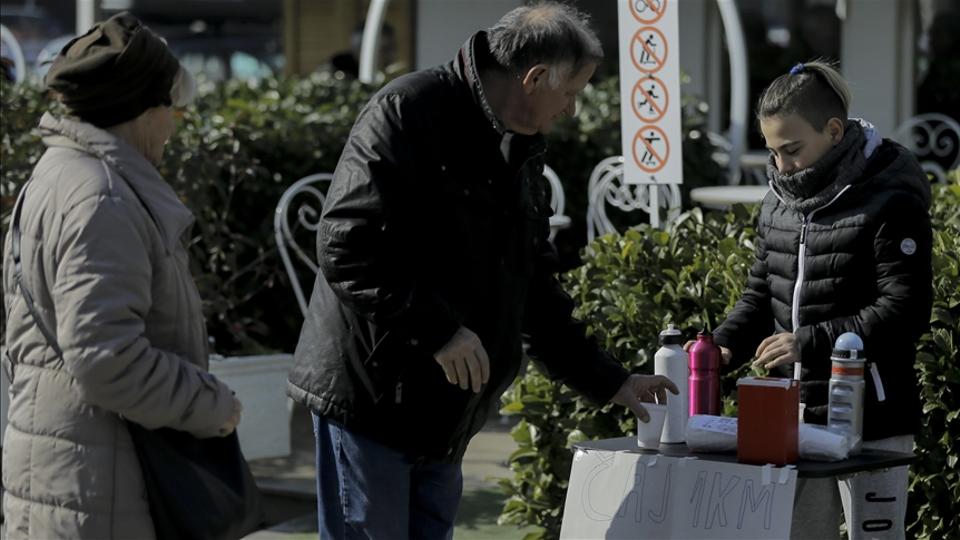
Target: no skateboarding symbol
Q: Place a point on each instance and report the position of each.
(651, 149)
(648, 11)
(650, 99)
(648, 49)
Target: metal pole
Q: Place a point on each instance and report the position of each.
(86, 15)
(739, 84)
(371, 39)
(654, 202)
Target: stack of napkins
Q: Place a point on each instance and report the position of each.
(708, 433)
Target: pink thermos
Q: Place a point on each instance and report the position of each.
(704, 378)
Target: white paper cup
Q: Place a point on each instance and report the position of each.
(648, 433)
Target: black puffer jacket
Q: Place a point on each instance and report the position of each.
(427, 227)
(865, 268)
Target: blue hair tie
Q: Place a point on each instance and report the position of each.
(797, 69)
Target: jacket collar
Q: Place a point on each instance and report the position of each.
(161, 202)
(474, 56)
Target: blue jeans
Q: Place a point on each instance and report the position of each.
(370, 491)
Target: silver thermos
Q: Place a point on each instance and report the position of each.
(845, 409)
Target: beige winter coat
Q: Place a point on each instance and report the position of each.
(114, 284)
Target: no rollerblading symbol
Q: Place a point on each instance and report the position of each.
(650, 99)
(648, 49)
(651, 149)
(648, 11)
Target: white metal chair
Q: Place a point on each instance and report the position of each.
(606, 186)
(558, 220)
(14, 52)
(307, 198)
(935, 139)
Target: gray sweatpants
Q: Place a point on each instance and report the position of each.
(874, 503)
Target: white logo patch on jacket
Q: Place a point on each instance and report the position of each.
(908, 246)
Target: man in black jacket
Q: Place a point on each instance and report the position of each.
(434, 260)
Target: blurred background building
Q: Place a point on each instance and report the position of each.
(902, 57)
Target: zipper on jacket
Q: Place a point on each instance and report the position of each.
(801, 256)
(398, 392)
(795, 302)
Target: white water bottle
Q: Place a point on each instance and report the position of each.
(671, 362)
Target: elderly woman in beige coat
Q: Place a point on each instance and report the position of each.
(102, 247)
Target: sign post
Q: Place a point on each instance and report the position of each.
(650, 96)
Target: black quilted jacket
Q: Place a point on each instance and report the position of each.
(427, 227)
(860, 263)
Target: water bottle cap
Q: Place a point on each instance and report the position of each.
(848, 345)
(671, 336)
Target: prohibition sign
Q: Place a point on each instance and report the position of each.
(647, 11)
(650, 102)
(651, 148)
(651, 45)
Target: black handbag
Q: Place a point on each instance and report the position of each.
(197, 489)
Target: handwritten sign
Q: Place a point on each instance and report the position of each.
(616, 494)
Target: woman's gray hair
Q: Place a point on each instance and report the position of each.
(184, 89)
(545, 33)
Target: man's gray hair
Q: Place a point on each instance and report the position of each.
(545, 33)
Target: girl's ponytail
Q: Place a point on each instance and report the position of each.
(815, 90)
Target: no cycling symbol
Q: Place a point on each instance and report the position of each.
(651, 149)
(650, 99)
(647, 11)
(648, 49)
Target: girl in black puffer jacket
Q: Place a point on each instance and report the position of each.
(843, 245)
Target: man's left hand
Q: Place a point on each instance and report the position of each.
(638, 388)
(778, 350)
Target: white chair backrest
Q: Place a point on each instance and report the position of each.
(557, 202)
(935, 139)
(557, 199)
(306, 199)
(606, 186)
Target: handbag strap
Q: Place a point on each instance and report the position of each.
(18, 265)
(18, 277)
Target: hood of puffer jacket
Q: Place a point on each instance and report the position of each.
(892, 166)
(159, 198)
(898, 170)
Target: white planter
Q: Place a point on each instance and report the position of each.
(260, 383)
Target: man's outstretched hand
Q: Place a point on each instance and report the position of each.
(640, 388)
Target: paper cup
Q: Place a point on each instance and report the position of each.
(648, 433)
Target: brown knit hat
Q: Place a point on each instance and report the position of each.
(114, 72)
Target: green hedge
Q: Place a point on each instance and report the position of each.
(234, 153)
(691, 274)
(242, 144)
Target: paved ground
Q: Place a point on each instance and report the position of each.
(484, 463)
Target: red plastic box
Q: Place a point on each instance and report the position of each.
(767, 428)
